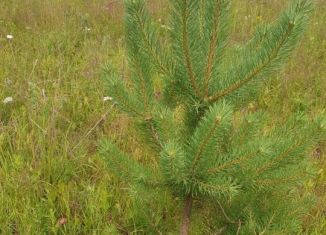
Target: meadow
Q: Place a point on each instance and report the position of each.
(54, 111)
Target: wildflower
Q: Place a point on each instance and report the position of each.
(7, 100)
(88, 29)
(9, 36)
(107, 98)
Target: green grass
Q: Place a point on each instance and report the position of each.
(51, 179)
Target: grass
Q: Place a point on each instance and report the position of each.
(52, 181)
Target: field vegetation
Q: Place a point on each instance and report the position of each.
(54, 112)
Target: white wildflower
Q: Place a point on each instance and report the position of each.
(7, 100)
(88, 29)
(9, 36)
(107, 98)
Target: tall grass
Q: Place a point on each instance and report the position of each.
(51, 180)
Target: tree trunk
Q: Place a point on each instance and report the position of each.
(184, 230)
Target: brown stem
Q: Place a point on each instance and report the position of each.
(184, 229)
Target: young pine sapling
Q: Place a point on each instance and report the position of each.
(188, 94)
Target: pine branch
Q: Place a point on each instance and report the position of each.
(212, 45)
(264, 54)
(208, 137)
(143, 86)
(280, 181)
(269, 224)
(279, 158)
(232, 163)
(124, 166)
(205, 140)
(256, 70)
(154, 133)
(172, 164)
(202, 17)
(139, 62)
(150, 39)
(169, 124)
(124, 99)
(185, 46)
(214, 189)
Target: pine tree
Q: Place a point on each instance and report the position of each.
(207, 146)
